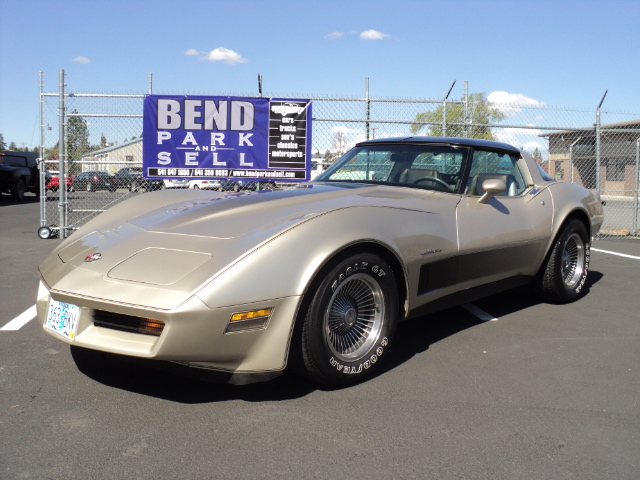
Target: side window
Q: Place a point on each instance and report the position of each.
(503, 166)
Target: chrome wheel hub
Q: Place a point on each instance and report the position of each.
(573, 260)
(354, 317)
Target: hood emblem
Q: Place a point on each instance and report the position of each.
(93, 257)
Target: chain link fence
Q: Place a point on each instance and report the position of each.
(101, 157)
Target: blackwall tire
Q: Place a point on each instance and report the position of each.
(350, 322)
(563, 274)
(18, 190)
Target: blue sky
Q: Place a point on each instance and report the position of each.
(561, 53)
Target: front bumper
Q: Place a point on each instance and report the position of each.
(193, 334)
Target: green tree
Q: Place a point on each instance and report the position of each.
(77, 138)
(481, 113)
(77, 141)
(13, 146)
(103, 141)
(3, 146)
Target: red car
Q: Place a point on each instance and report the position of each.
(54, 182)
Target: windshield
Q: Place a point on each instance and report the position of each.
(424, 166)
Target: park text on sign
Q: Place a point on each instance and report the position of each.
(226, 138)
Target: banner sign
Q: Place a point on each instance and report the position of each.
(253, 138)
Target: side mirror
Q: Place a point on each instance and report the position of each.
(491, 187)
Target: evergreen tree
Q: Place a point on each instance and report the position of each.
(537, 156)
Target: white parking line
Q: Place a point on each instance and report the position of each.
(615, 253)
(21, 320)
(481, 314)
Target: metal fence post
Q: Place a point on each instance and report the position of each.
(571, 158)
(598, 143)
(62, 187)
(466, 109)
(635, 194)
(41, 164)
(444, 110)
(368, 100)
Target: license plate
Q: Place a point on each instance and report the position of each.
(62, 318)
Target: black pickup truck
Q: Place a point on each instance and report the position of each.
(19, 173)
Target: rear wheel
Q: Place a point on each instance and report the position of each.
(89, 187)
(562, 277)
(350, 321)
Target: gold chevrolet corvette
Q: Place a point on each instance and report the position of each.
(316, 278)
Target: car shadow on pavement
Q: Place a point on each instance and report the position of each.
(8, 200)
(161, 380)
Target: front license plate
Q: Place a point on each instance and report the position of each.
(62, 318)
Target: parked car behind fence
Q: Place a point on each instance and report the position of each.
(53, 182)
(91, 181)
(131, 178)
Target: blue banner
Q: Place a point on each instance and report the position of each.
(253, 138)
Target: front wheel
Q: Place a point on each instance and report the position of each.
(563, 274)
(18, 190)
(350, 321)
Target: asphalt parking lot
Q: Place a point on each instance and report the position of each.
(508, 388)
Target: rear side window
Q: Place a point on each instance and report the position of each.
(14, 161)
(503, 166)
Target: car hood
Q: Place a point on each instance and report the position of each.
(178, 247)
(227, 216)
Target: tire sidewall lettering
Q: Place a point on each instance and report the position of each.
(358, 267)
(583, 280)
(363, 366)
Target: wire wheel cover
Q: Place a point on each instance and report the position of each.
(354, 317)
(573, 257)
